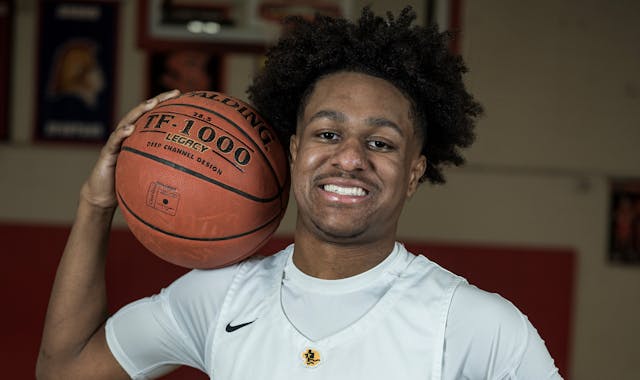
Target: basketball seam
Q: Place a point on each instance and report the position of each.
(275, 218)
(201, 176)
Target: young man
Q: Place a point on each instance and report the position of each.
(370, 110)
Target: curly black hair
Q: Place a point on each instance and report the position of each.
(414, 59)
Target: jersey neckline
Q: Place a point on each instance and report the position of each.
(295, 277)
(401, 258)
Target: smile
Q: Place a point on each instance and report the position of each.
(351, 191)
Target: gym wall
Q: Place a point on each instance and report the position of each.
(561, 89)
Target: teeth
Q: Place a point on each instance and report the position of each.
(354, 191)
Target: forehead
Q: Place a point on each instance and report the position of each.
(358, 96)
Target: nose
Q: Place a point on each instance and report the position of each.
(350, 155)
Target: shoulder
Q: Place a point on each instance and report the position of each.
(486, 335)
(476, 306)
(485, 317)
(210, 286)
(422, 266)
(199, 285)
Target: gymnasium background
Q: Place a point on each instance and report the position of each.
(529, 216)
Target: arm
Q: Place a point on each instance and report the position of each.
(73, 342)
(487, 337)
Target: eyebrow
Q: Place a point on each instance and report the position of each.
(329, 114)
(371, 121)
(384, 122)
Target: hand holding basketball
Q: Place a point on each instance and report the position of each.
(99, 189)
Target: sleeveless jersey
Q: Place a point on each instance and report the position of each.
(401, 336)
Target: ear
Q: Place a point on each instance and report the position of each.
(293, 148)
(418, 167)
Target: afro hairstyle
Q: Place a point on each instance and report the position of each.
(415, 59)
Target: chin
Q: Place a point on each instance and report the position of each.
(341, 235)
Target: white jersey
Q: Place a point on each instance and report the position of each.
(265, 319)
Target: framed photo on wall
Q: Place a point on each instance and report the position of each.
(447, 14)
(185, 69)
(76, 70)
(6, 26)
(224, 25)
(624, 231)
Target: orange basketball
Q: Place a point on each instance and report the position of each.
(203, 181)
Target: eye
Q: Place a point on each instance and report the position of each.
(326, 135)
(379, 145)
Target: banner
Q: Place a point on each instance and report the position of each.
(76, 70)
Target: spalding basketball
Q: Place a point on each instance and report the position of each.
(203, 181)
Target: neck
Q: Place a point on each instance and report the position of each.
(332, 261)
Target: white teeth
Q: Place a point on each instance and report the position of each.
(353, 191)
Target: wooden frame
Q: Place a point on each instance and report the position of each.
(223, 25)
(624, 222)
(447, 14)
(6, 26)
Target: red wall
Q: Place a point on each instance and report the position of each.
(539, 281)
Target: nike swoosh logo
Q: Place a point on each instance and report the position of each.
(230, 328)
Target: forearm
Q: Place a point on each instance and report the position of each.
(78, 303)
(73, 342)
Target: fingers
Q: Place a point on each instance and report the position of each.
(134, 114)
(99, 188)
(117, 137)
(125, 126)
(167, 95)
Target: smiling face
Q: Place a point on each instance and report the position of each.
(355, 159)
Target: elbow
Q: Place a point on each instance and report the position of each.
(43, 372)
(46, 368)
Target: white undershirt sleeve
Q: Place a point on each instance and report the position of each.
(145, 339)
(487, 337)
(536, 362)
(153, 335)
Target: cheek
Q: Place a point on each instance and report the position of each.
(395, 169)
(308, 164)
(302, 168)
(310, 158)
(397, 175)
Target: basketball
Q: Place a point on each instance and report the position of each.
(203, 180)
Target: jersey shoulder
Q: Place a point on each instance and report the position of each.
(486, 310)
(486, 335)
